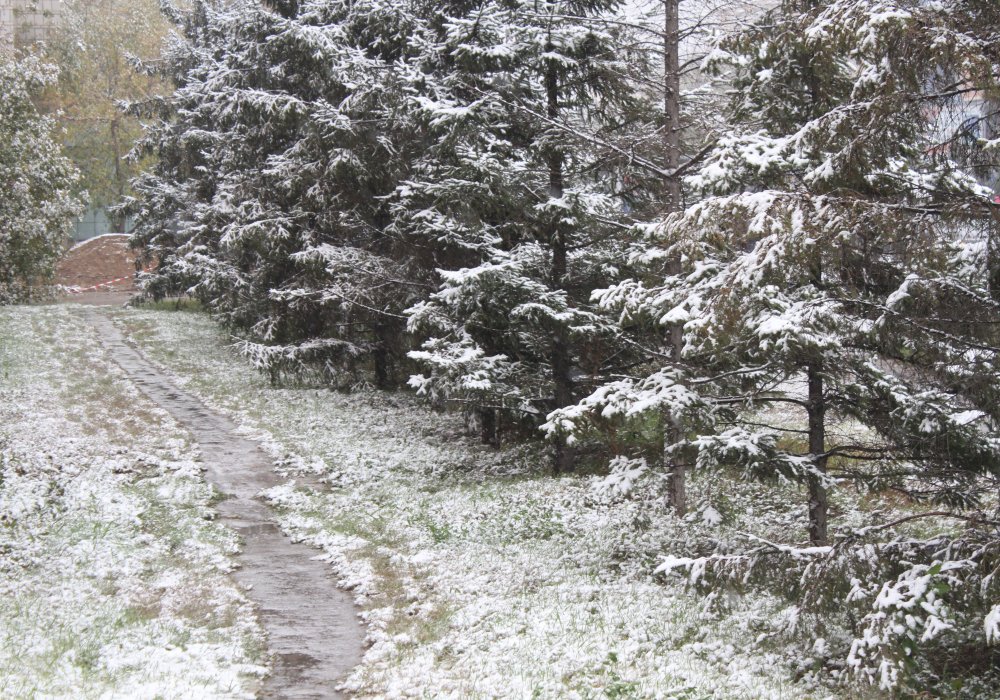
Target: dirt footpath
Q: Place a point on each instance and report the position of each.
(314, 634)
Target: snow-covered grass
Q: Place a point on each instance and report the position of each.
(113, 577)
(479, 574)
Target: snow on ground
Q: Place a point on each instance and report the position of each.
(113, 577)
(478, 574)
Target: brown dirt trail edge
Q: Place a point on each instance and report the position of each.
(313, 631)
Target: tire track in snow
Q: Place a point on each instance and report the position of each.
(313, 632)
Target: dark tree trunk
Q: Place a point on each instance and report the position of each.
(488, 429)
(117, 220)
(677, 480)
(383, 357)
(672, 103)
(818, 502)
(993, 254)
(561, 354)
(672, 191)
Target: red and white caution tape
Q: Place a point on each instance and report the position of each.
(109, 283)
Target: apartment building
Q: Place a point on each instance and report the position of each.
(26, 22)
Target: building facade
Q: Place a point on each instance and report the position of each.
(26, 22)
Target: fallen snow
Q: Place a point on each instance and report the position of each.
(113, 578)
(480, 575)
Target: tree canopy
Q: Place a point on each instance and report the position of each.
(104, 50)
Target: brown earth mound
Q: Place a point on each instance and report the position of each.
(100, 264)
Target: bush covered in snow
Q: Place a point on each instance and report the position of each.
(38, 206)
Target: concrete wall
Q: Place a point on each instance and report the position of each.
(96, 223)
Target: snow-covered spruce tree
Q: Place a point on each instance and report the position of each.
(519, 203)
(171, 234)
(687, 116)
(37, 202)
(837, 295)
(284, 237)
(365, 134)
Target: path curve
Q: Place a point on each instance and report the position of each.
(313, 631)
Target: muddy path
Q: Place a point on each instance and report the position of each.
(313, 631)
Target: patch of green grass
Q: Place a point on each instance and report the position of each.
(440, 532)
(184, 304)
